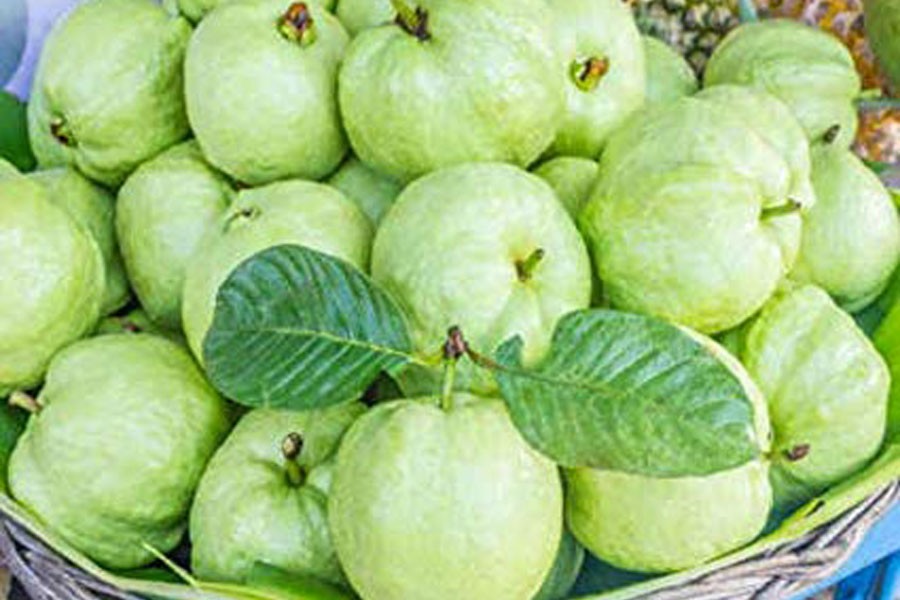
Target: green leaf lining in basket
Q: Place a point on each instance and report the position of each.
(629, 393)
(299, 329)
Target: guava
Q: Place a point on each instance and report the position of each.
(565, 570)
(264, 496)
(486, 247)
(691, 218)
(123, 430)
(453, 81)
(448, 502)
(883, 32)
(52, 282)
(94, 208)
(669, 76)
(649, 524)
(600, 46)
(373, 192)
(851, 238)
(359, 15)
(288, 212)
(572, 178)
(260, 82)
(827, 390)
(808, 69)
(108, 92)
(164, 209)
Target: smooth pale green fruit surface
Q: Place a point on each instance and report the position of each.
(452, 502)
(247, 511)
(373, 192)
(573, 180)
(669, 76)
(827, 390)
(809, 70)
(467, 227)
(262, 105)
(883, 30)
(7, 169)
(411, 106)
(95, 209)
(851, 238)
(289, 212)
(110, 77)
(164, 209)
(604, 30)
(359, 15)
(112, 459)
(51, 285)
(566, 567)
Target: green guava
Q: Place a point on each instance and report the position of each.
(562, 576)
(163, 211)
(453, 81)
(851, 238)
(260, 82)
(494, 252)
(264, 496)
(572, 178)
(654, 525)
(600, 46)
(124, 428)
(288, 212)
(451, 501)
(373, 192)
(94, 208)
(51, 285)
(669, 76)
(883, 32)
(108, 89)
(827, 390)
(806, 68)
(359, 15)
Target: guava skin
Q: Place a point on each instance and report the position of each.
(851, 238)
(827, 389)
(373, 192)
(94, 208)
(467, 227)
(806, 68)
(262, 105)
(359, 15)
(669, 76)
(7, 169)
(572, 178)
(51, 286)
(566, 567)
(111, 460)
(412, 106)
(164, 210)
(195, 10)
(603, 30)
(490, 505)
(883, 32)
(109, 84)
(247, 511)
(288, 212)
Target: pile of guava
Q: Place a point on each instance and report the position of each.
(431, 299)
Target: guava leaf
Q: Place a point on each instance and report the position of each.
(295, 328)
(12, 423)
(14, 144)
(629, 393)
(292, 586)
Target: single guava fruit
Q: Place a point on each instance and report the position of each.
(372, 191)
(883, 32)
(827, 390)
(449, 500)
(486, 247)
(655, 525)
(288, 212)
(808, 69)
(562, 576)
(359, 15)
(94, 208)
(851, 237)
(108, 93)
(414, 95)
(669, 76)
(164, 210)
(124, 428)
(601, 50)
(264, 496)
(260, 82)
(51, 285)
(572, 178)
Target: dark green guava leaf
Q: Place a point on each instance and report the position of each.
(629, 393)
(12, 423)
(14, 144)
(292, 586)
(295, 328)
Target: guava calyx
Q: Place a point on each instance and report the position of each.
(243, 215)
(62, 132)
(291, 447)
(588, 73)
(413, 21)
(297, 24)
(797, 453)
(832, 134)
(788, 208)
(525, 268)
(456, 346)
(27, 402)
